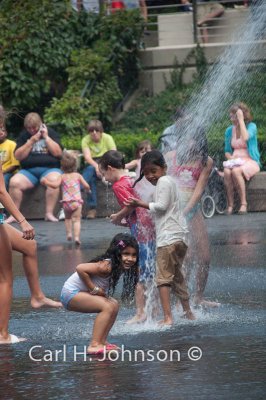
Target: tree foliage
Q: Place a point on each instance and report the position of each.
(48, 52)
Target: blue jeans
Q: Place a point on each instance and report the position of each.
(89, 174)
(7, 177)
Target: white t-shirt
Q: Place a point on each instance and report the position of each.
(169, 223)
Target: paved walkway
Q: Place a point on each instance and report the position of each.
(234, 240)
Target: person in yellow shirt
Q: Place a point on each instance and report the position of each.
(94, 145)
(7, 158)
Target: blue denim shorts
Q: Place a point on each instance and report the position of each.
(35, 174)
(67, 295)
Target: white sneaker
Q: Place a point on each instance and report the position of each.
(61, 215)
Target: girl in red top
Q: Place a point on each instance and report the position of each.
(112, 167)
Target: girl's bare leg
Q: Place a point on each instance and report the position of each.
(187, 310)
(68, 225)
(201, 253)
(229, 187)
(76, 219)
(6, 282)
(140, 305)
(112, 320)
(240, 184)
(107, 310)
(17, 185)
(28, 249)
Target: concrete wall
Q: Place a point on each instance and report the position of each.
(158, 62)
(177, 29)
(175, 39)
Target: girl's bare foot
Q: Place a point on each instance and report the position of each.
(189, 315)
(45, 302)
(206, 303)
(229, 210)
(111, 346)
(166, 322)
(11, 339)
(99, 350)
(243, 209)
(10, 220)
(77, 242)
(69, 238)
(137, 319)
(50, 217)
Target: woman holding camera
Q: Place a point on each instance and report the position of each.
(39, 151)
(242, 155)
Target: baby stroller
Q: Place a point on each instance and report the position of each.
(214, 196)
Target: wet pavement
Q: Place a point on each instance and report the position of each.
(221, 355)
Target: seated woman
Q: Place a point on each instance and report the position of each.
(242, 154)
(39, 151)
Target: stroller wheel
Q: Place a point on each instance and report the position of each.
(221, 203)
(208, 206)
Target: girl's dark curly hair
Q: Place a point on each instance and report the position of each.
(152, 157)
(114, 253)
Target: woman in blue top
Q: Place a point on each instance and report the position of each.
(242, 155)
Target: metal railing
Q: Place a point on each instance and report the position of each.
(216, 25)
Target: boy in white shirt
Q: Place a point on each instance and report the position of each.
(171, 232)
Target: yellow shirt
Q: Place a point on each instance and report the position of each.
(98, 149)
(7, 157)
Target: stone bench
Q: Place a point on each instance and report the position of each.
(256, 192)
(33, 204)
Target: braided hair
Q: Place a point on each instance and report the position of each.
(154, 157)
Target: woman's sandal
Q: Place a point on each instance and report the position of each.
(229, 210)
(243, 209)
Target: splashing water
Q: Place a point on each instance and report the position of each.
(223, 79)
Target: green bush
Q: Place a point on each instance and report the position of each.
(80, 61)
(36, 41)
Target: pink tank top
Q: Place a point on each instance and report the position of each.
(239, 146)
